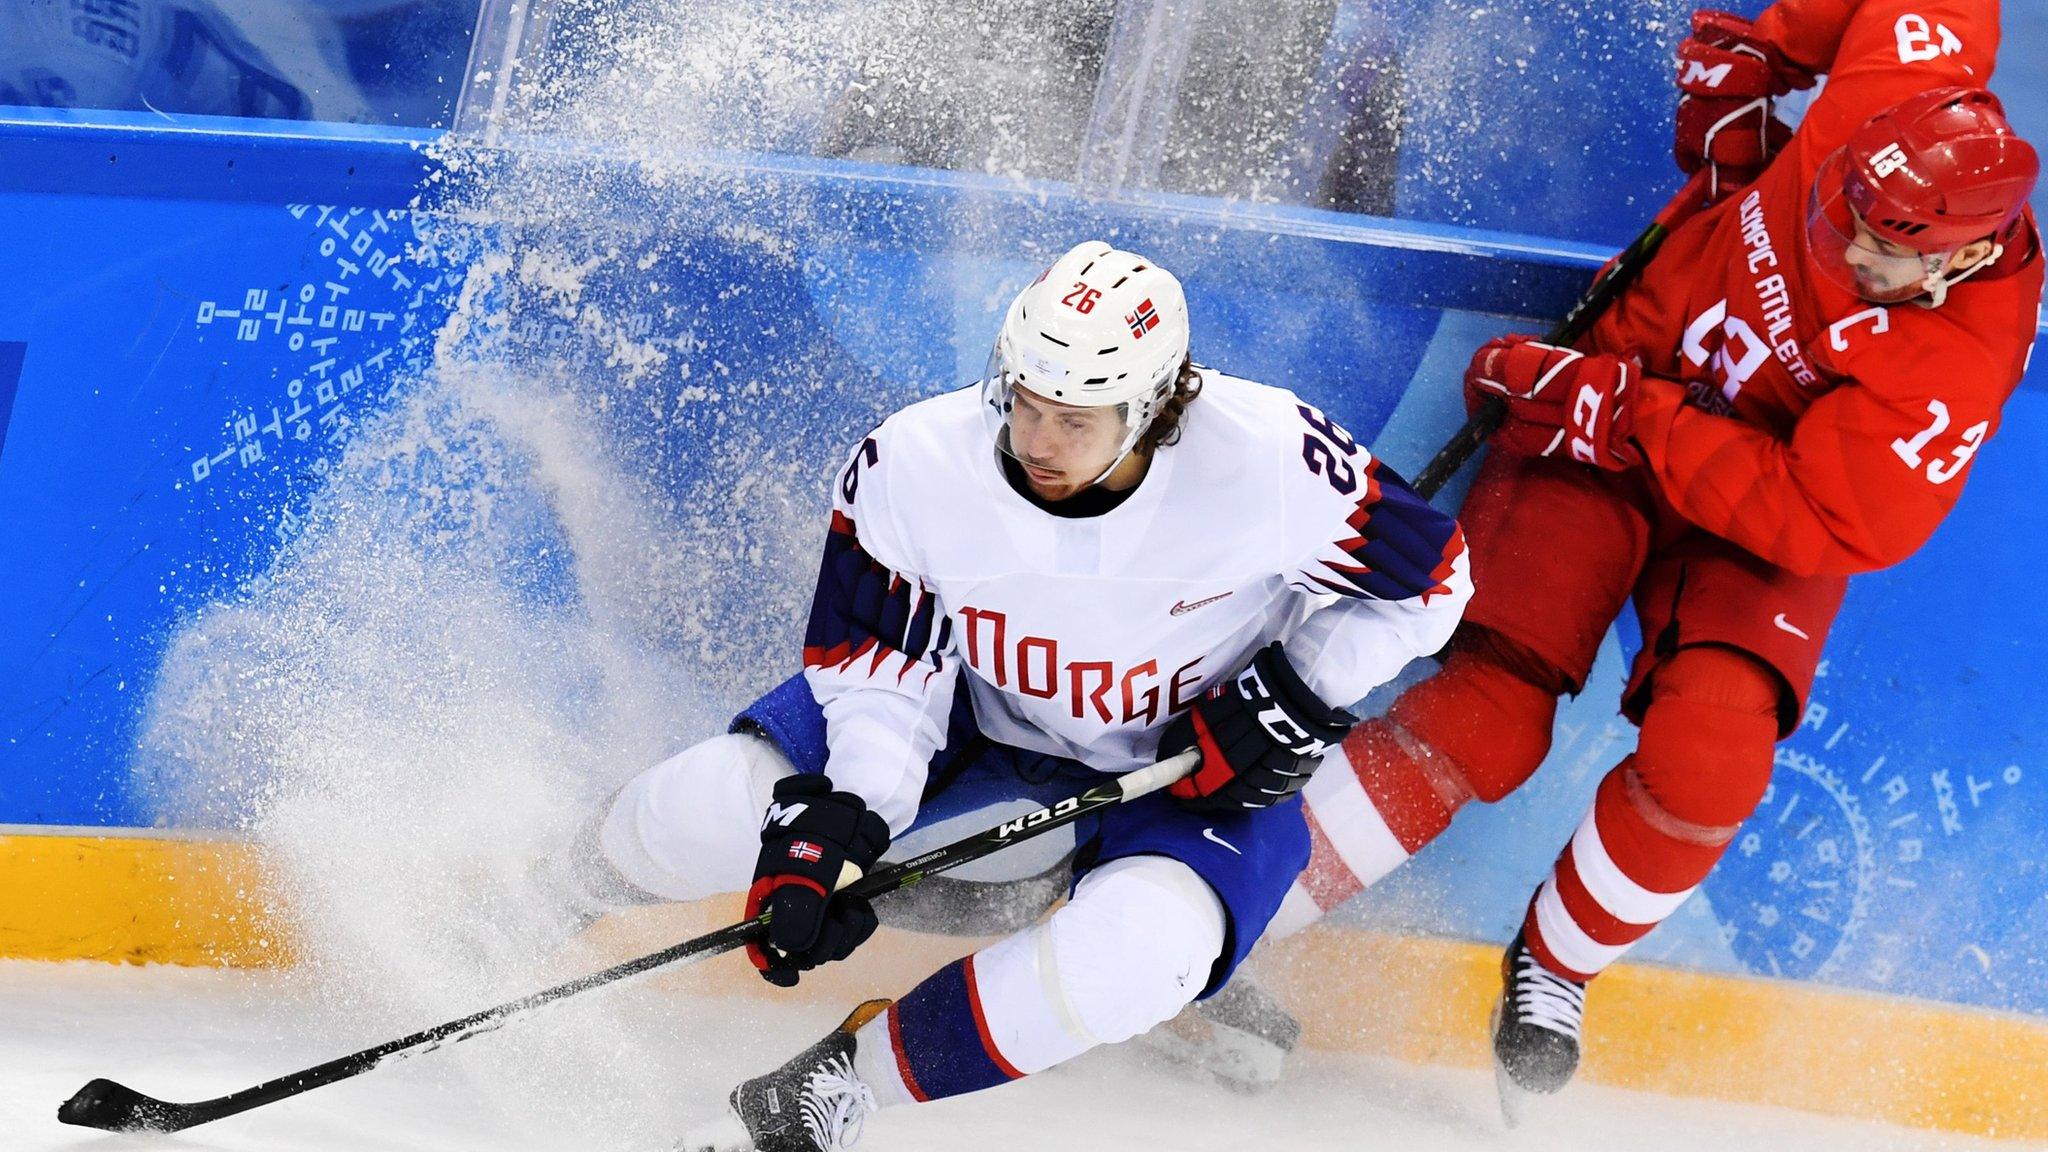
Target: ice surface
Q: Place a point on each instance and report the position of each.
(624, 1069)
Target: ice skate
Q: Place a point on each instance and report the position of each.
(1535, 1031)
(814, 1103)
(1241, 1036)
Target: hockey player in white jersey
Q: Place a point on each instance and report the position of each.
(1098, 555)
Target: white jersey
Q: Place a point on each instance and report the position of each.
(1082, 636)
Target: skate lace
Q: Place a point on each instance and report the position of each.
(1545, 999)
(836, 1103)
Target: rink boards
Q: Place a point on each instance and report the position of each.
(192, 336)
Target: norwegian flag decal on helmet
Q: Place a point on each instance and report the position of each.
(1143, 320)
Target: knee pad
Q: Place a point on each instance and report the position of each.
(1132, 948)
(1488, 714)
(1704, 755)
(690, 826)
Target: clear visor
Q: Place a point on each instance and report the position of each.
(1852, 256)
(1058, 444)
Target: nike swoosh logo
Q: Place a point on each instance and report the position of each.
(1785, 625)
(1210, 835)
(1182, 608)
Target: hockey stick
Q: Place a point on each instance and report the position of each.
(113, 1107)
(1620, 273)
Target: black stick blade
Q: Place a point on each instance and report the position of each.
(112, 1107)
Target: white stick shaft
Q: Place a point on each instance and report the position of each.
(1146, 781)
(849, 875)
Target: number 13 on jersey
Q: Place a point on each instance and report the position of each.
(1942, 469)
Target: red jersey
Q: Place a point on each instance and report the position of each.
(1817, 430)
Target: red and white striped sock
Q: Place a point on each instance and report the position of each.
(1627, 868)
(1477, 728)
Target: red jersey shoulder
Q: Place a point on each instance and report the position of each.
(1971, 351)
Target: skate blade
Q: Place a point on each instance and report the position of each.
(1239, 1063)
(1516, 1102)
(723, 1133)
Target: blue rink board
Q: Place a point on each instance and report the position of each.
(186, 347)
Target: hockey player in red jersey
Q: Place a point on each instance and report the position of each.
(1792, 394)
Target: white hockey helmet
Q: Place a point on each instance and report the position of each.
(1100, 327)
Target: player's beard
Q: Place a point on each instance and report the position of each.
(1059, 487)
(1880, 290)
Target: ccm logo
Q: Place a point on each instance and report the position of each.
(1011, 828)
(1271, 716)
(1585, 410)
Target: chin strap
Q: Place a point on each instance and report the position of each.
(1139, 419)
(1130, 442)
(1936, 285)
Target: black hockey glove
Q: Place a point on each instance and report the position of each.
(1260, 735)
(808, 835)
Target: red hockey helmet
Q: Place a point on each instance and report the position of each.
(1921, 179)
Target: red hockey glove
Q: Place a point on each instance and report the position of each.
(1561, 402)
(1728, 78)
(1261, 735)
(808, 835)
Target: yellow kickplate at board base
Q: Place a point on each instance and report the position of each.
(1908, 1062)
(138, 899)
(143, 899)
(1425, 1001)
